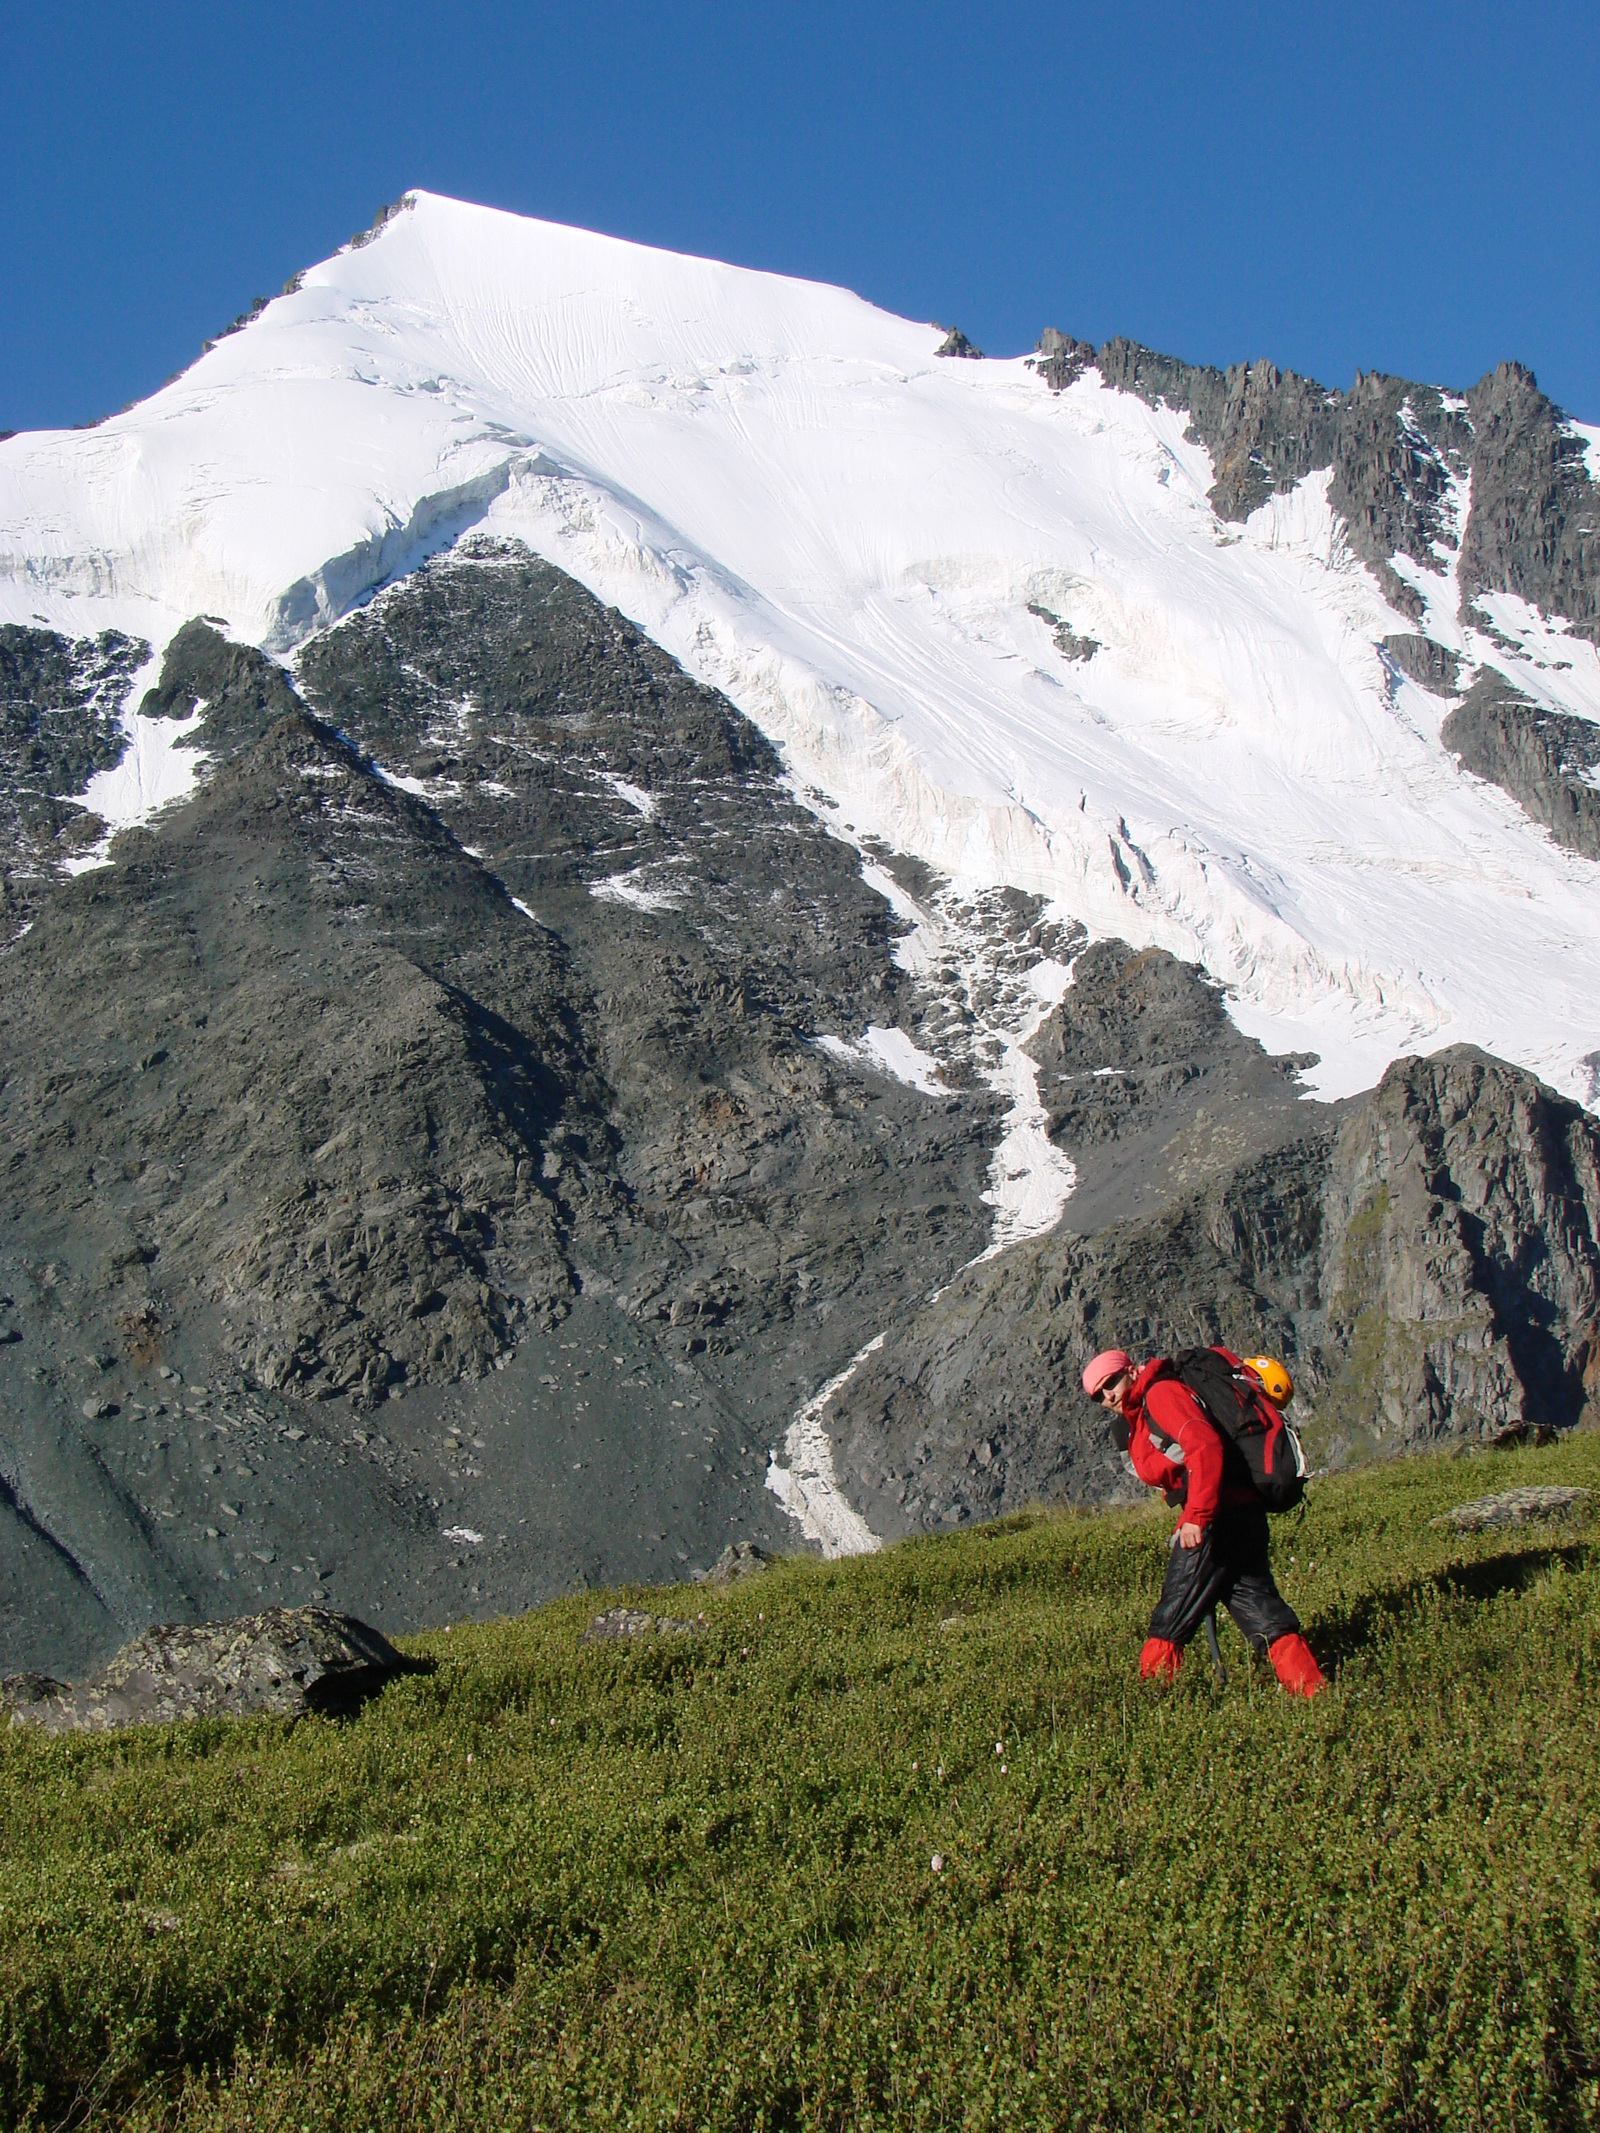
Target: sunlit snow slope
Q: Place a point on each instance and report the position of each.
(790, 492)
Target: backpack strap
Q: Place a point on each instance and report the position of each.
(1154, 1373)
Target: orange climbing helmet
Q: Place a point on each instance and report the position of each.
(1271, 1376)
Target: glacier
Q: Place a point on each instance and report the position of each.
(869, 550)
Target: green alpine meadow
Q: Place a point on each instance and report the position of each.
(899, 1841)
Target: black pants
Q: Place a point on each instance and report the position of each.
(1230, 1564)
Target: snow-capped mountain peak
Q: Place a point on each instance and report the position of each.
(998, 626)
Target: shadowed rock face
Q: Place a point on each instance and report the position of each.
(281, 1664)
(1534, 527)
(1426, 1259)
(436, 1094)
(1546, 760)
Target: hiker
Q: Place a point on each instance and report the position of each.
(1219, 1551)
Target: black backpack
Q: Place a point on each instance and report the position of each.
(1259, 1434)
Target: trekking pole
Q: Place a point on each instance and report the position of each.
(1215, 1648)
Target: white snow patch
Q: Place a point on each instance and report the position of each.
(155, 772)
(1591, 449)
(426, 789)
(630, 889)
(891, 1052)
(638, 799)
(1555, 668)
(807, 1486)
(462, 1536)
(527, 910)
(1030, 1180)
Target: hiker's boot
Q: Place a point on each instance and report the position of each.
(1295, 1667)
(1160, 1661)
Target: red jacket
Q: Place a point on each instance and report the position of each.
(1198, 1477)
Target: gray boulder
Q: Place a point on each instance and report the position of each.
(281, 1664)
(1514, 1507)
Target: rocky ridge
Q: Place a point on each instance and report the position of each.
(1395, 450)
(1402, 456)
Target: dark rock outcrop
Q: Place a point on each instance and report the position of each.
(1429, 665)
(1068, 643)
(281, 1664)
(1459, 1260)
(955, 343)
(1394, 447)
(60, 722)
(1151, 1087)
(1427, 1261)
(1546, 760)
(244, 692)
(1061, 360)
(1534, 528)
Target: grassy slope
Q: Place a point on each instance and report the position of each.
(690, 1884)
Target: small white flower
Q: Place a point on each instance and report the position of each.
(938, 1862)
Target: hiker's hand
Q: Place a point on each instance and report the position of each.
(1188, 1534)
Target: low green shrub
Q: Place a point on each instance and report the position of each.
(690, 1883)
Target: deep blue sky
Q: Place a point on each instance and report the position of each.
(1407, 188)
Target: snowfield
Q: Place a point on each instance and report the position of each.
(869, 549)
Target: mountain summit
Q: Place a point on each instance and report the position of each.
(633, 908)
(1171, 648)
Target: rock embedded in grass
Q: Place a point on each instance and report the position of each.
(633, 1622)
(1514, 1507)
(284, 1663)
(740, 1559)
